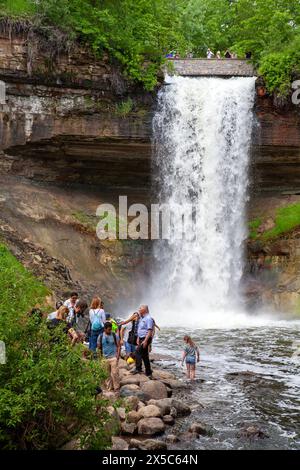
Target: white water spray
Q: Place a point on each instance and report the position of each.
(202, 136)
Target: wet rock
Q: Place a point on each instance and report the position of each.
(119, 444)
(128, 428)
(132, 402)
(173, 412)
(172, 438)
(181, 408)
(252, 432)
(200, 428)
(169, 420)
(122, 413)
(151, 426)
(150, 411)
(169, 392)
(188, 436)
(148, 444)
(133, 417)
(154, 389)
(173, 384)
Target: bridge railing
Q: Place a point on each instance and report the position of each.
(212, 67)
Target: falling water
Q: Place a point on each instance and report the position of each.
(202, 136)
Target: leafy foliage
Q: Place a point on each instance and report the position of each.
(47, 391)
(287, 218)
(138, 33)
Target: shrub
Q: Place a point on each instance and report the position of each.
(47, 391)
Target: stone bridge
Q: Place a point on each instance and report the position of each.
(212, 67)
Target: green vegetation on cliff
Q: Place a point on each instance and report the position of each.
(138, 33)
(286, 219)
(47, 392)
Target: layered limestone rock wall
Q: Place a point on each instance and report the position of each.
(72, 120)
(75, 121)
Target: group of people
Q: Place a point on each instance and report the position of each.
(227, 54)
(209, 54)
(96, 328)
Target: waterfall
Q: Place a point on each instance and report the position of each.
(202, 135)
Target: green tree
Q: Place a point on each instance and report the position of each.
(47, 392)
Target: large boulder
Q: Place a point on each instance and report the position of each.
(164, 404)
(132, 402)
(148, 444)
(151, 426)
(154, 389)
(182, 408)
(133, 416)
(119, 444)
(113, 423)
(122, 364)
(149, 411)
(128, 428)
(173, 384)
(162, 375)
(129, 390)
(133, 379)
(135, 391)
(130, 387)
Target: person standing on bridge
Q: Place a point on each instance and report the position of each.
(209, 54)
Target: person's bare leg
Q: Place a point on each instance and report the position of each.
(188, 371)
(193, 372)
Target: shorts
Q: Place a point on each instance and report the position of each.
(129, 348)
(191, 360)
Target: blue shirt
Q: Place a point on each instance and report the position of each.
(109, 348)
(146, 323)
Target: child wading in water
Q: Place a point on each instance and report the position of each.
(190, 355)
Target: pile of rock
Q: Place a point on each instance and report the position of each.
(149, 409)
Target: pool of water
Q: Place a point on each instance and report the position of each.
(246, 377)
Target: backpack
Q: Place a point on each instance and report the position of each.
(132, 336)
(97, 323)
(101, 338)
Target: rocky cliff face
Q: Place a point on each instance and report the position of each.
(74, 134)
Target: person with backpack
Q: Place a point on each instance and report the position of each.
(109, 347)
(113, 322)
(97, 320)
(128, 334)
